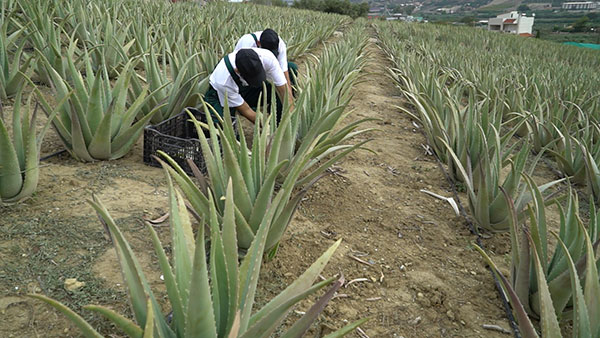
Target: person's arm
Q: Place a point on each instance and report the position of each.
(289, 83)
(284, 90)
(247, 112)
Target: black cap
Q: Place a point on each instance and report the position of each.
(250, 67)
(270, 40)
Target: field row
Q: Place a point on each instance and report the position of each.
(488, 101)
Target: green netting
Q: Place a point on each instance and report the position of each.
(585, 45)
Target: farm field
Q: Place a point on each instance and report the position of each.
(389, 110)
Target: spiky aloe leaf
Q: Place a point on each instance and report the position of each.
(125, 324)
(347, 329)
(548, 319)
(525, 325)
(200, 318)
(139, 289)
(170, 283)
(249, 269)
(592, 287)
(224, 265)
(301, 326)
(11, 180)
(84, 326)
(581, 319)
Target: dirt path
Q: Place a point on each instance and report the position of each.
(425, 279)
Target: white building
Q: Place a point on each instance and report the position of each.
(512, 22)
(580, 5)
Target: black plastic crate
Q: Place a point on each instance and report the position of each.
(178, 138)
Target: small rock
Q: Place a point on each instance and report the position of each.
(73, 284)
(416, 321)
(474, 273)
(338, 34)
(450, 315)
(373, 40)
(420, 295)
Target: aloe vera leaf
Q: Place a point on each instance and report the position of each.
(31, 170)
(79, 150)
(125, 324)
(299, 285)
(581, 320)
(525, 325)
(200, 315)
(249, 269)
(17, 130)
(149, 327)
(261, 202)
(182, 239)
(197, 199)
(592, 287)
(95, 105)
(84, 326)
(132, 272)
(347, 329)
(301, 326)
(548, 320)
(242, 197)
(11, 180)
(125, 141)
(100, 146)
(268, 323)
(245, 234)
(170, 283)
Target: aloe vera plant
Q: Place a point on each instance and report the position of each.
(254, 172)
(96, 123)
(486, 200)
(19, 156)
(45, 36)
(12, 74)
(550, 288)
(211, 295)
(174, 95)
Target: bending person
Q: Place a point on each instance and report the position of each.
(268, 39)
(239, 77)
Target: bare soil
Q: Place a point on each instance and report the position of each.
(424, 279)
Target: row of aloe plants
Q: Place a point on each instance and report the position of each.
(128, 63)
(237, 202)
(143, 71)
(484, 112)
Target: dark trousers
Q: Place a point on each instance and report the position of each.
(251, 95)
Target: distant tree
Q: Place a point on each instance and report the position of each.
(408, 10)
(344, 7)
(523, 8)
(581, 24)
(279, 3)
(468, 20)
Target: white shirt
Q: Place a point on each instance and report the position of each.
(247, 41)
(223, 83)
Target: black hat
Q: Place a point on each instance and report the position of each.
(270, 40)
(250, 67)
